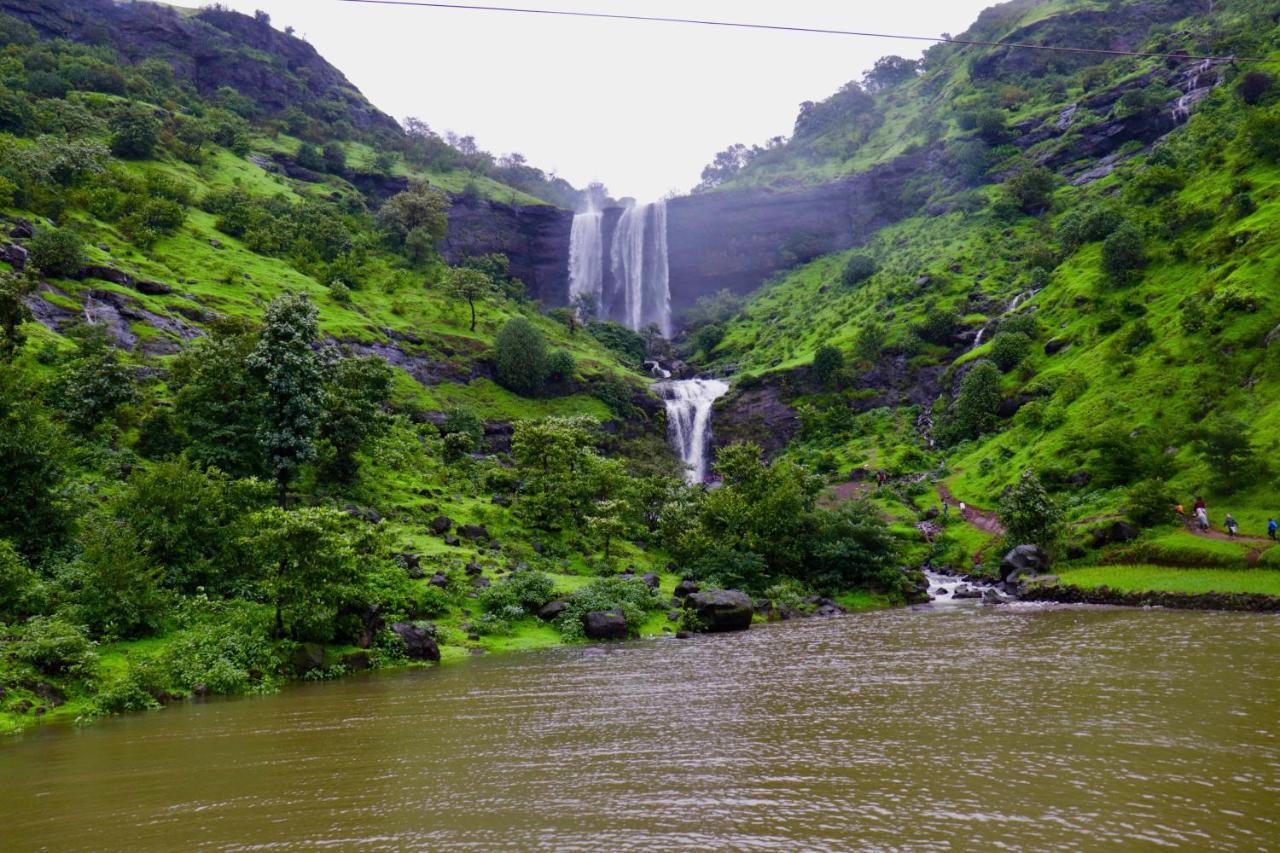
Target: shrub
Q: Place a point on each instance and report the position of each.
(1030, 189)
(433, 602)
(1123, 253)
(1225, 443)
(1253, 86)
(309, 157)
(1148, 503)
(731, 567)
(458, 446)
(858, 269)
(19, 586)
(335, 158)
(939, 326)
(224, 646)
(1262, 133)
(526, 590)
(55, 647)
(1087, 225)
(629, 595)
(827, 361)
(561, 366)
(1030, 516)
(1009, 349)
(620, 339)
(521, 356)
(976, 405)
(58, 252)
(134, 132)
(91, 388)
(870, 340)
(113, 587)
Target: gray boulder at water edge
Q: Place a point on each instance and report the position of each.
(419, 644)
(722, 609)
(1024, 560)
(605, 625)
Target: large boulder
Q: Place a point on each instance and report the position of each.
(686, 587)
(419, 643)
(441, 524)
(605, 625)
(306, 657)
(722, 609)
(551, 610)
(1023, 560)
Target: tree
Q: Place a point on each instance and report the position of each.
(335, 158)
(218, 403)
(13, 313)
(853, 548)
(289, 370)
(870, 340)
(58, 252)
(114, 585)
(1030, 516)
(20, 588)
(1009, 349)
(309, 157)
(976, 404)
(827, 361)
(1030, 189)
(1123, 253)
(1225, 443)
(858, 269)
(521, 357)
(419, 211)
(889, 72)
(355, 396)
(607, 522)
(1148, 503)
(32, 515)
(469, 286)
(93, 386)
(939, 326)
(554, 458)
(134, 132)
(1253, 86)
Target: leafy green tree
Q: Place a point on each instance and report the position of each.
(1148, 503)
(827, 362)
(32, 514)
(521, 357)
(290, 373)
(309, 157)
(1030, 515)
(20, 587)
(355, 398)
(607, 522)
(1030, 189)
(854, 548)
(469, 286)
(1010, 349)
(58, 252)
(976, 404)
(561, 366)
(939, 326)
(113, 587)
(1225, 443)
(1122, 455)
(219, 402)
(858, 269)
(1123, 253)
(1253, 86)
(134, 132)
(869, 341)
(419, 211)
(335, 158)
(93, 386)
(554, 458)
(13, 313)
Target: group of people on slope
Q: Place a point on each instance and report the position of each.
(1232, 526)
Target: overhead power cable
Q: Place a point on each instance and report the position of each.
(564, 13)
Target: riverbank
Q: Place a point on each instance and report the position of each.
(76, 698)
(1247, 590)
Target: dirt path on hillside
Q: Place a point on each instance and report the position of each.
(984, 519)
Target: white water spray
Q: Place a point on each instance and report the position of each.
(688, 405)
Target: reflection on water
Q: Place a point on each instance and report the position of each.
(970, 727)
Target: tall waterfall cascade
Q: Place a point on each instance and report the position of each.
(689, 403)
(628, 280)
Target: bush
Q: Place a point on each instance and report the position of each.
(1253, 86)
(335, 158)
(309, 157)
(521, 356)
(1087, 225)
(1123, 253)
(827, 361)
(526, 590)
(870, 340)
(630, 595)
(224, 646)
(731, 567)
(20, 587)
(1148, 503)
(620, 339)
(1030, 189)
(976, 405)
(113, 587)
(562, 366)
(1262, 133)
(1009, 349)
(58, 252)
(433, 602)
(858, 269)
(134, 132)
(55, 647)
(1030, 516)
(458, 446)
(939, 327)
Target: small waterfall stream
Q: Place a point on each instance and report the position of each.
(688, 403)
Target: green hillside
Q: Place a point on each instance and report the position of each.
(1140, 367)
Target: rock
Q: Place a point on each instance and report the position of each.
(22, 230)
(412, 564)
(439, 580)
(931, 513)
(605, 625)
(110, 274)
(964, 591)
(674, 615)
(474, 569)
(307, 657)
(15, 256)
(452, 541)
(684, 635)
(1075, 552)
(217, 244)
(1080, 479)
(650, 580)
(991, 597)
(152, 288)
(441, 524)
(1055, 346)
(419, 643)
(356, 661)
(1023, 560)
(500, 500)
(473, 531)
(1122, 531)
(552, 610)
(481, 582)
(686, 587)
(722, 609)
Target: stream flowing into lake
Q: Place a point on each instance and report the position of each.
(962, 726)
(688, 403)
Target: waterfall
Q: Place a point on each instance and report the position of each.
(639, 258)
(688, 403)
(586, 257)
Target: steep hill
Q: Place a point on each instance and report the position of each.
(1082, 280)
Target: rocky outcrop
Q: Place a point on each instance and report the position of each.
(736, 239)
(419, 642)
(1022, 561)
(535, 238)
(758, 414)
(721, 610)
(605, 625)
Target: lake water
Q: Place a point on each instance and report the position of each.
(963, 727)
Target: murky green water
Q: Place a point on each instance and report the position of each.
(962, 728)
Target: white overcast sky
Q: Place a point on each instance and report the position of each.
(640, 106)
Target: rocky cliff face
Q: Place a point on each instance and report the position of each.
(535, 238)
(738, 238)
(211, 49)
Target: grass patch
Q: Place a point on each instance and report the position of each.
(1148, 578)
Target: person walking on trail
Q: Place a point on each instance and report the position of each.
(1230, 523)
(1271, 528)
(1202, 518)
